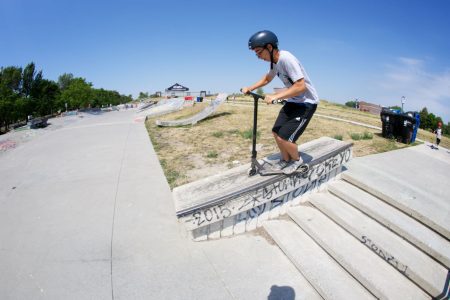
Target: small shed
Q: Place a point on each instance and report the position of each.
(177, 90)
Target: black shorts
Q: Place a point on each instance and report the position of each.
(293, 119)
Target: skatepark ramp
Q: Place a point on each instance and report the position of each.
(163, 107)
(233, 202)
(197, 117)
(146, 105)
(381, 233)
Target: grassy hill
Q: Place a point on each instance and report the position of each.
(223, 140)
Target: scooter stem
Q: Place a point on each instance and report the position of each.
(256, 97)
(255, 126)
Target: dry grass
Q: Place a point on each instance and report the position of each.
(223, 140)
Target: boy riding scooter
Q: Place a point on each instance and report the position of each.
(302, 101)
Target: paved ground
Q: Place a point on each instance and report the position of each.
(86, 213)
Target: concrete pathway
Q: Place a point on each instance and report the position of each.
(86, 213)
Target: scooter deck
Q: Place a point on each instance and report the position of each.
(265, 170)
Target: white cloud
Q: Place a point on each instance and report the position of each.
(409, 77)
(410, 61)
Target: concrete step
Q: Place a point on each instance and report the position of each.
(372, 271)
(403, 256)
(329, 279)
(427, 208)
(418, 234)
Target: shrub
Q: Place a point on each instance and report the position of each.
(367, 136)
(233, 131)
(356, 136)
(248, 134)
(217, 134)
(212, 154)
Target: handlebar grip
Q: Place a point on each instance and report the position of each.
(255, 95)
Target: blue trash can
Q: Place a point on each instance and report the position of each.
(416, 124)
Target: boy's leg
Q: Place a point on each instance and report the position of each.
(293, 130)
(288, 150)
(290, 124)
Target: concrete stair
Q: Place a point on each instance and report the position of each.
(400, 254)
(427, 205)
(381, 248)
(408, 228)
(329, 279)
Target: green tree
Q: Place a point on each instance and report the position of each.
(103, 97)
(7, 106)
(29, 76)
(430, 121)
(45, 93)
(25, 91)
(142, 95)
(77, 95)
(10, 81)
(11, 77)
(64, 80)
(350, 104)
(395, 107)
(260, 91)
(423, 118)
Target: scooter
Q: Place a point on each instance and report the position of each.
(256, 167)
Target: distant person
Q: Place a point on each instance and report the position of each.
(438, 133)
(302, 101)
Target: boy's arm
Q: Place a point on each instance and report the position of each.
(262, 82)
(297, 88)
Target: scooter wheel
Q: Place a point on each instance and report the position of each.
(303, 168)
(251, 172)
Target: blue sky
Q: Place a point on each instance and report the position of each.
(377, 51)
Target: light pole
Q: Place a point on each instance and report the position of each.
(403, 102)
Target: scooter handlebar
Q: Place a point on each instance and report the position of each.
(255, 95)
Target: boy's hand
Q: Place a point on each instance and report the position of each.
(245, 90)
(270, 99)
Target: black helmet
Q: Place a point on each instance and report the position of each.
(263, 38)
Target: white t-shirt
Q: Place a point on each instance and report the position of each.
(439, 133)
(289, 70)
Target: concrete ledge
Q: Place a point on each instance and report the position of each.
(235, 202)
